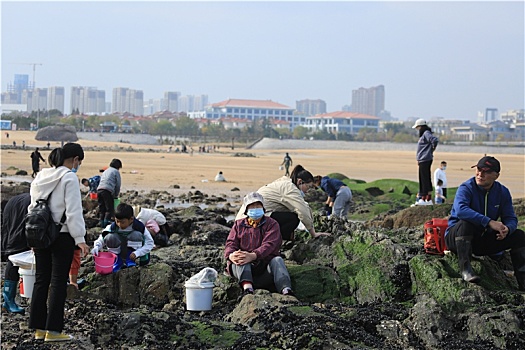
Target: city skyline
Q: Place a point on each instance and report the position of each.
(444, 59)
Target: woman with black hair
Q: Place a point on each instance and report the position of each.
(284, 202)
(107, 190)
(425, 155)
(59, 185)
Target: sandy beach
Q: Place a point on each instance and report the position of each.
(157, 169)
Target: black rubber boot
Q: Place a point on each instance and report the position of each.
(518, 262)
(464, 251)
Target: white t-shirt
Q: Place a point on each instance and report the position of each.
(440, 175)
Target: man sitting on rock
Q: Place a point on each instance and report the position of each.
(473, 226)
(127, 237)
(252, 250)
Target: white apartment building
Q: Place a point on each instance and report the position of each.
(88, 100)
(128, 100)
(342, 122)
(56, 98)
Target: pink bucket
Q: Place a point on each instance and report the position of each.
(104, 262)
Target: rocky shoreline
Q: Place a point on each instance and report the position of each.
(368, 286)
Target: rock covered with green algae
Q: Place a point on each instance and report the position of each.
(367, 286)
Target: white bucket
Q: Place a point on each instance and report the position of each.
(199, 297)
(27, 283)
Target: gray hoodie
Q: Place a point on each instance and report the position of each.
(63, 184)
(110, 181)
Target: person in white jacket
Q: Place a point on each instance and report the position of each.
(439, 174)
(127, 238)
(284, 202)
(60, 186)
(156, 223)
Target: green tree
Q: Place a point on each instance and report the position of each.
(300, 132)
(186, 126)
(163, 127)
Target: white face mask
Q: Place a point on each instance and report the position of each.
(444, 168)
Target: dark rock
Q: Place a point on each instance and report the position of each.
(375, 191)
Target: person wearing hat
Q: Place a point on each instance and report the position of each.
(252, 250)
(483, 222)
(426, 146)
(284, 201)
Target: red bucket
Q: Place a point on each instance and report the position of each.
(104, 262)
(93, 195)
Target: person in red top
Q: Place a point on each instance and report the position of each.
(252, 250)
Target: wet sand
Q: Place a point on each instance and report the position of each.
(160, 171)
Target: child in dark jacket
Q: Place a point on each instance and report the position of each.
(127, 237)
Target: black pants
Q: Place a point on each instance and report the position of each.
(11, 272)
(52, 268)
(106, 205)
(484, 241)
(425, 181)
(288, 222)
(444, 193)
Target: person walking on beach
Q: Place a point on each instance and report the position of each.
(426, 146)
(284, 202)
(107, 190)
(439, 174)
(287, 162)
(60, 186)
(36, 157)
(339, 195)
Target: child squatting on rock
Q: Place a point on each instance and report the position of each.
(127, 237)
(252, 250)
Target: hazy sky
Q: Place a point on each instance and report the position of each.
(447, 59)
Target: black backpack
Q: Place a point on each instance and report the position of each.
(41, 230)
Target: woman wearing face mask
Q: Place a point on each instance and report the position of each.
(252, 250)
(60, 186)
(284, 200)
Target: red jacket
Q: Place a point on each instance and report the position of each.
(264, 240)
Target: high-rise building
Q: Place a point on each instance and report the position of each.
(171, 101)
(199, 102)
(310, 107)
(27, 99)
(134, 102)
(186, 103)
(369, 101)
(9, 98)
(128, 100)
(88, 100)
(36, 99)
(56, 98)
(490, 115)
(119, 99)
(20, 84)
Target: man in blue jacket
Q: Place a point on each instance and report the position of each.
(473, 226)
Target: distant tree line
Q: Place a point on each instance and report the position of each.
(186, 127)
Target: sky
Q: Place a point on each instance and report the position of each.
(436, 59)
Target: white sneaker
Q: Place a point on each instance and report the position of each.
(429, 202)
